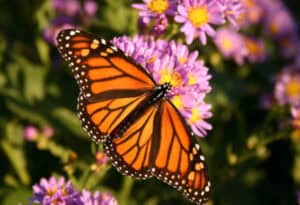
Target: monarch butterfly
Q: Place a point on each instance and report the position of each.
(121, 106)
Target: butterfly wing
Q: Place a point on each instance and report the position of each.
(131, 153)
(179, 161)
(159, 144)
(111, 85)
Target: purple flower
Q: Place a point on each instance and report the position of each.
(160, 25)
(66, 7)
(152, 9)
(289, 44)
(97, 198)
(295, 112)
(170, 62)
(287, 87)
(30, 133)
(280, 24)
(266, 100)
(233, 9)
(59, 23)
(101, 158)
(90, 7)
(298, 197)
(256, 49)
(48, 131)
(253, 13)
(231, 44)
(197, 17)
(55, 191)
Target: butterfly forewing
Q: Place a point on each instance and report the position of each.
(111, 85)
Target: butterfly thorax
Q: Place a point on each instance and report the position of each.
(159, 93)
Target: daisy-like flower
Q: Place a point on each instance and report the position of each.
(197, 17)
(55, 191)
(30, 133)
(256, 49)
(287, 87)
(295, 111)
(253, 13)
(281, 24)
(90, 7)
(231, 44)
(66, 7)
(170, 62)
(289, 45)
(48, 131)
(96, 198)
(233, 9)
(152, 9)
(101, 158)
(59, 23)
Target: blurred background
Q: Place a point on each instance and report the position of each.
(253, 150)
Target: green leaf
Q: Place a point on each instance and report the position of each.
(17, 159)
(18, 196)
(13, 74)
(34, 83)
(26, 113)
(69, 120)
(34, 79)
(2, 80)
(43, 50)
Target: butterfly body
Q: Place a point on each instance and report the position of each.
(158, 94)
(121, 106)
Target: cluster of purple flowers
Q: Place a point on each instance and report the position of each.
(280, 27)
(239, 47)
(31, 133)
(171, 62)
(287, 92)
(60, 192)
(197, 17)
(69, 14)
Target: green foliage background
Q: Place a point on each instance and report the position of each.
(251, 160)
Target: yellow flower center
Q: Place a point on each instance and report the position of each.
(273, 27)
(293, 88)
(170, 77)
(182, 60)
(227, 44)
(196, 115)
(177, 101)
(192, 79)
(249, 3)
(252, 46)
(51, 192)
(198, 16)
(158, 6)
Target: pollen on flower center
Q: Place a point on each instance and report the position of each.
(195, 116)
(170, 77)
(198, 16)
(51, 192)
(273, 27)
(158, 6)
(192, 79)
(227, 44)
(177, 101)
(293, 88)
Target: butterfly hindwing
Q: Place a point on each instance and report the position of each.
(179, 161)
(131, 153)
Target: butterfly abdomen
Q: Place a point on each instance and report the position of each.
(158, 94)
